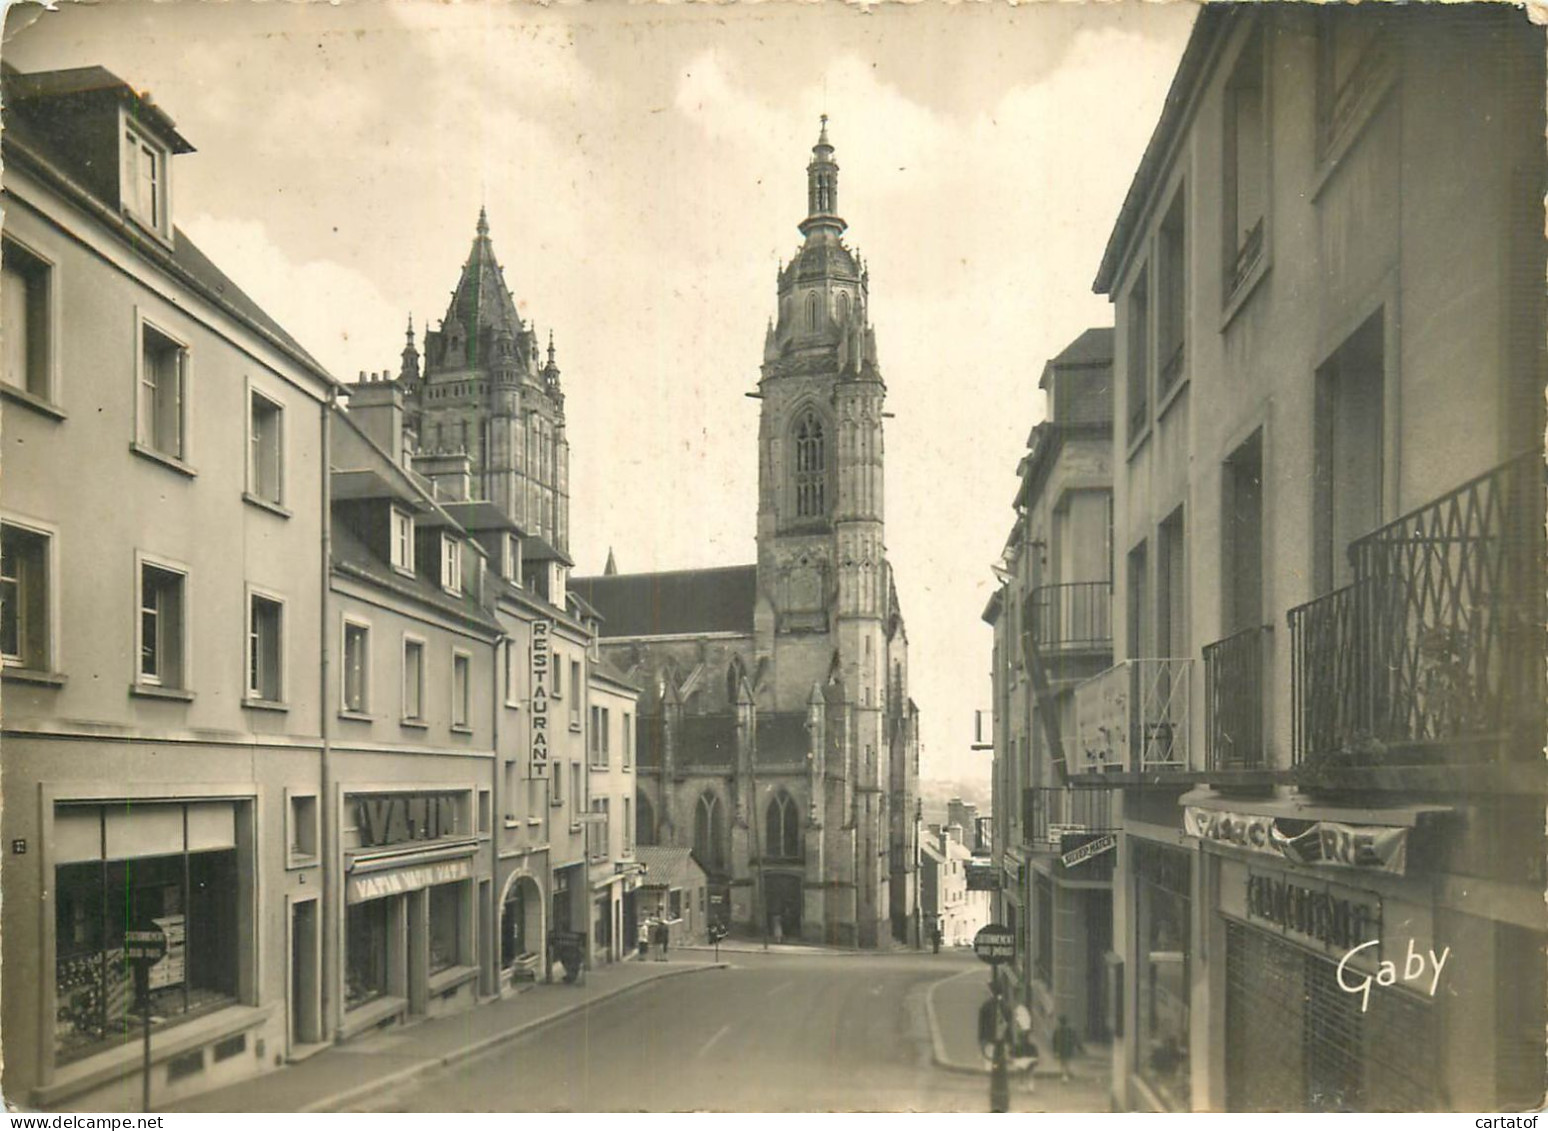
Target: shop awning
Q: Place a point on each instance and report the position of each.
(1296, 808)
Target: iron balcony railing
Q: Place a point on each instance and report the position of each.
(1235, 681)
(1134, 717)
(1050, 812)
(1073, 616)
(1437, 646)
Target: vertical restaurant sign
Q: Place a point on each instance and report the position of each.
(542, 666)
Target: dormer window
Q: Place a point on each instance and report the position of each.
(144, 188)
(510, 561)
(402, 541)
(451, 564)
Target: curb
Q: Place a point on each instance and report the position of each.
(938, 1045)
(409, 1071)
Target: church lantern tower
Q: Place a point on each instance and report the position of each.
(824, 584)
(488, 391)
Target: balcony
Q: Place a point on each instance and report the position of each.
(1072, 617)
(1235, 681)
(1134, 719)
(1433, 656)
(1051, 813)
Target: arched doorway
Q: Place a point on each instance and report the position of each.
(782, 896)
(521, 925)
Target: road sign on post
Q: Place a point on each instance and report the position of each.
(148, 947)
(143, 949)
(995, 944)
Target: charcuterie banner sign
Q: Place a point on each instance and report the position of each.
(1371, 848)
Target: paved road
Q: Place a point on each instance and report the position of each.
(773, 1033)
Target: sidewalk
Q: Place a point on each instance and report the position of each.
(754, 946)
(952, 1008)
(343, 1073)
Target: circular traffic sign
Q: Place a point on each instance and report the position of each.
(995, 944)
(147, 946)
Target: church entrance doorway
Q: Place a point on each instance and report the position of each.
(782, 900)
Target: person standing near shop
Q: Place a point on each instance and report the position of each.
(1066, 1044)
(644, 939)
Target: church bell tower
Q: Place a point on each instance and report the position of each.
(822, 570)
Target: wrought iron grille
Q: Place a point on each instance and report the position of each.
(1073, 615)
(1135, 716)
(1235, 671)
(1440, 639)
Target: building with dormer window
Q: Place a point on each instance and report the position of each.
(162, 520)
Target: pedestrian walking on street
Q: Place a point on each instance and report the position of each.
(779, 930)
(644, 939)
(935, 937)
(1066, 1043)
(663, 937)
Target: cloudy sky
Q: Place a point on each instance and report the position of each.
(644, 169)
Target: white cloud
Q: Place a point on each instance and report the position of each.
(334, 312)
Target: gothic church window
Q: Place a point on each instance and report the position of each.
(843, 308)
(709, 832)
(811, 312)
(810, 468)
(783, 828)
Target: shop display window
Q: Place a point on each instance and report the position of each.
(1163, 905)
(190, 895)
(445, 926)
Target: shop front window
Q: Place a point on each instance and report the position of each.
(189, 894)
(365, 951)
(445, 926)
(1162, 886)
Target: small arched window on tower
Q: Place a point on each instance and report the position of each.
(811, 311)
(811, 474)
(843, 308)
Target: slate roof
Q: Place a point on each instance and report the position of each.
(669, 867)
(674, 603)
(1094, 347)
(352, 555)
(27, 94)
(611, 673)
(535, 548)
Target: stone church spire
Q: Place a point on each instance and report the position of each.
(482, 311)
(409, 371)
